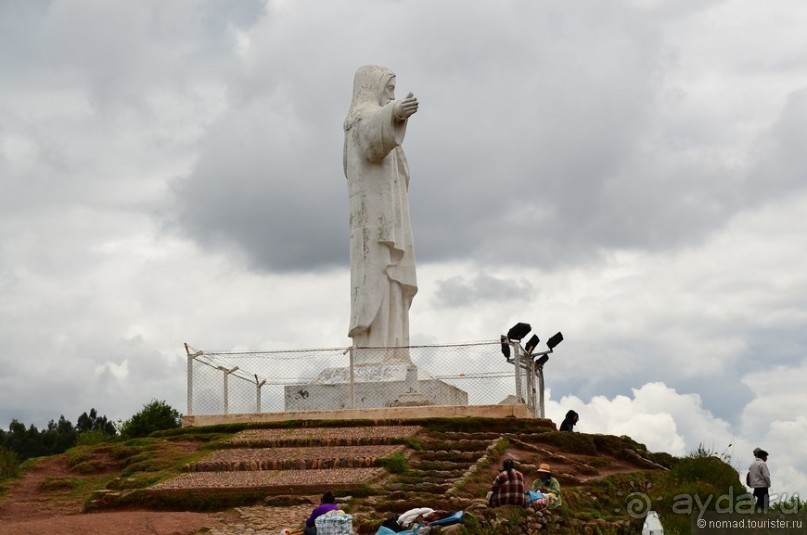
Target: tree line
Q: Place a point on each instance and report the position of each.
(23, 442)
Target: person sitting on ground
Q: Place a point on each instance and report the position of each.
(548, 486)
(570, 421)
(508, 487)
(327, 504)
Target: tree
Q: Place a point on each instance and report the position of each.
(155, 416)
(25, 442)
(58, 437)
(93, 422)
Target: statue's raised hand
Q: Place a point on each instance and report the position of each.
(405, 107)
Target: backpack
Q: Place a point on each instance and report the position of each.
(748, 478)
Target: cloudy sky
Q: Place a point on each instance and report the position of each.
(631, 173)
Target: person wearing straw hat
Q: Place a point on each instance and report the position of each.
(547, 485)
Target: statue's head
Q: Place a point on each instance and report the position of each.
(373, 84)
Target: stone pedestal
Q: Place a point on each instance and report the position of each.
(389, 384)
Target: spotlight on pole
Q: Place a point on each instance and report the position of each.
(523, 361)
(518, 331)
(505, 348)
(554, 340)
(532, 343)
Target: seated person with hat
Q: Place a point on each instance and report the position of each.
(548, 486)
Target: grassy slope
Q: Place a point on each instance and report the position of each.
(602, 479)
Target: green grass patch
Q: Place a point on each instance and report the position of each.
(412, 443)
(93, 438)
(78, 455)
(92, 466)
(58, 483)
(141, 442)
(396, 463)
(580, 443)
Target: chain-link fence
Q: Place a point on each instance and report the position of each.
(481, 373)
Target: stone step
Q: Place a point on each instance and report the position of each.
(412, 479)
(444, 474)
(427, 466)
(420, 487)
(465, 444)
(282, 480)
(457, 457)
(322, 436)
(309, 458)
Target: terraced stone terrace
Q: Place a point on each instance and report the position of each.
(351, 459)
(280, 461)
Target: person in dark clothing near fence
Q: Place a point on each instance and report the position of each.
(570, 421)
(508, 487)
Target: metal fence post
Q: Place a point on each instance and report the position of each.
(531, 386)
(189, 389)
(541, 390)
(227, 372)
(352, 381)
(258, 386)
(516, 346)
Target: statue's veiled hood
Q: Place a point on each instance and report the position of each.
(368, 84)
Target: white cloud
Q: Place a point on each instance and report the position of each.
(678, 423)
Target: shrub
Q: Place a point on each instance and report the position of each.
(395, 463)
(9, 463)
(155, 416)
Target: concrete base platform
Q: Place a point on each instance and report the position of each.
(378, 414)
(393, 383)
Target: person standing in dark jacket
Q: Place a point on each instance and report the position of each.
(570, 421)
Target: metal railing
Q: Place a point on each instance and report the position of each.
(229, 382)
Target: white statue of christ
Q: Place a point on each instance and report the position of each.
(382, 255)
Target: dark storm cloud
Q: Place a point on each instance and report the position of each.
(782, 167)
(274, 194)
(545, 152)
(122, 50)
(459, 292)
(509, 156)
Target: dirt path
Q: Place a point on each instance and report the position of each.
(28, 509)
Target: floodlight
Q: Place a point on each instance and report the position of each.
(541, 361)
(532, 343)
(554, 341)
(518, 331)
(505, 348)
